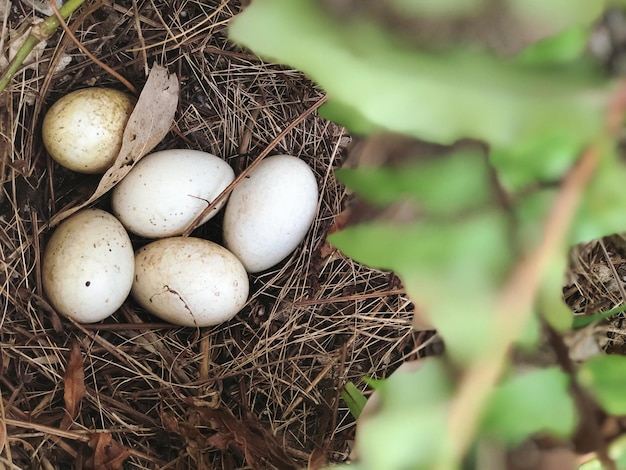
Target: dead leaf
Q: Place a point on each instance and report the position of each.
(74, 387)
(107, 453)
(248, 438)
(148, 124)
(317, 459)
(195, 442)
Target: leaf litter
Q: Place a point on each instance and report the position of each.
(107, 453)
(74, 387)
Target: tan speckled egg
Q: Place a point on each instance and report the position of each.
(189, 281)
(83, 130)
(88, 266)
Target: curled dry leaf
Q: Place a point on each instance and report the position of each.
(148, 124)
(246, 437)
(317, 459)
(74, 386)
(107, 453)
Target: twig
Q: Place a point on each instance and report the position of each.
(518, 296)
(589, 429)
(137, 18)
(38, 33)
(514, 308)
(256, 161)
(104, 66)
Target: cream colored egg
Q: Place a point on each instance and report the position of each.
(88, 266)
(269, 212)
(83, 130)
(189, 281)
(167, 190)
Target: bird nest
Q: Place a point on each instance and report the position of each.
(260, 391)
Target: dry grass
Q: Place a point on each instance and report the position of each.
(262, 390)
(597, 283)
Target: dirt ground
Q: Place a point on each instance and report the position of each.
(260, 391)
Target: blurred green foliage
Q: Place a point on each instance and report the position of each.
(535, 99)
(605, 378)
(542, 404)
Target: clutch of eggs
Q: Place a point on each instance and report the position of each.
(89, 267)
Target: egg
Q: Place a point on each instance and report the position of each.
(270, 211)
(88, 266)
(168, 190)
(83, 130)
(189, 281)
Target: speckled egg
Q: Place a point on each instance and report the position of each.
(167, 190)
(83, 130)
(189, 281)
(88, 266)
(269, 212)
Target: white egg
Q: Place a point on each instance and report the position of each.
(88, 266)
(83, 130)
(269, 212)
(189, 281)
(167, 190)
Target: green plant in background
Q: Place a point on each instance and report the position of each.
(485, 252)
(39, 33)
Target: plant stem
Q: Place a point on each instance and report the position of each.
(38, 33)
(515, 306)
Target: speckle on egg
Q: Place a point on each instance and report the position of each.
(189, 281)
(177, 186)
(83, 278)
(83, 130)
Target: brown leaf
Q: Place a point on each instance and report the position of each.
(74, 389)
(188, 431)
(248, 437)
(147, 126)
(317, 459)
(107, 453)
(195, 442)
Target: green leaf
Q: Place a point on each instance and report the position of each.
(580, 321)
(440, 186)
(603, 206)
(410, 428)
(354, 398)
(605, 378)
(453, 268)
(531, 334)
(531, 211)
(438, 98)
(348, 117)
(550, 300)
(567, 46)
(544, 159)
(530, 403)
